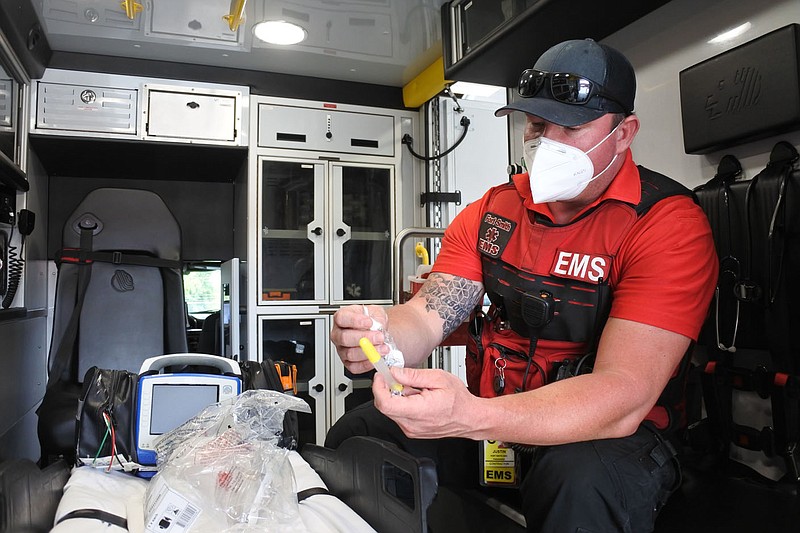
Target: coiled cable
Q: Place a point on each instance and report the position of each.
(409, 142)
(15, 267)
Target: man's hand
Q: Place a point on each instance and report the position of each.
(432, 405)
(350, 324)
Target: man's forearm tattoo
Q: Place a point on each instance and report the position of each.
(452, 298)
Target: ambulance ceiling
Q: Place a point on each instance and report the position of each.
(381, 42)
(386, 42)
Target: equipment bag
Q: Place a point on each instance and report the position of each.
(279, 376)
(105, 431)
(106, 434)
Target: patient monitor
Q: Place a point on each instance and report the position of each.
(167, 400)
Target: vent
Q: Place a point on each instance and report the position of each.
(291, 137)
(364, 143)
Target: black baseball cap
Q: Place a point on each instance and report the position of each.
(601, 64)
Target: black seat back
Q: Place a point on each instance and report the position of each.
(751, 381)
(119, 298)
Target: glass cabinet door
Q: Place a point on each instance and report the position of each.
(362, 226)
(301, 341)
(348, 390)
(292, 222)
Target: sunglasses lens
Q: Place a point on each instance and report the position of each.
(530, 82)
(564, 87)
(571, 89)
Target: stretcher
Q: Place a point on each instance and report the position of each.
(122, 495)
(364, 486)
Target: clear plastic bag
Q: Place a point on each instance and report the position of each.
(395, 356)
(223, 472)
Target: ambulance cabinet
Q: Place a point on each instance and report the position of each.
(323, 205)
(325, 232)
(192, 114)
(86, 108)
(302, 340)
(97, 106)
(326, 129)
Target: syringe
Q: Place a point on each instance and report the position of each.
(380, 365)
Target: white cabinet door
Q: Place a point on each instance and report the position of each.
(326, 232)
(361, 223)
(328, 130)
(301, 341)
(330, 391)
(293, 231)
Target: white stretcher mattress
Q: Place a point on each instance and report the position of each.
(123, 495)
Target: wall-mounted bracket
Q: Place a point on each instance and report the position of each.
(439, 197)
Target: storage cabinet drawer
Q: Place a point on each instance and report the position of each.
(325, 130)
(83, 108)
(193, 115)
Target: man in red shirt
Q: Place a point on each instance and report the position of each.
(587, 254)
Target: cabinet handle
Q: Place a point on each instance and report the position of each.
(340, 232)
(317, 231)
(318, 387)
(342, 387)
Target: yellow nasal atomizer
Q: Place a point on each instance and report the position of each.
(380, 365)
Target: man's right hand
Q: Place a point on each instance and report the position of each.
(350, 324)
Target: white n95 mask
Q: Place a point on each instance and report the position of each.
(557, 171)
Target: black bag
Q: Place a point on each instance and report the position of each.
(106, 417)
(265, 375)
(106, 428)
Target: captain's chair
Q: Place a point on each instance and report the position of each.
(119, 300)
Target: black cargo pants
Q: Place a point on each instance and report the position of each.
(608, 485)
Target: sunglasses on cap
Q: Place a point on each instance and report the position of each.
(565, 88)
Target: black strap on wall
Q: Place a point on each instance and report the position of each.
(66, 347)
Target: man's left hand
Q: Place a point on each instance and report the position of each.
(432, 404)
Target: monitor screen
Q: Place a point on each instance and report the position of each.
(175, 404)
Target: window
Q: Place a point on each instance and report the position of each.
(201, 289)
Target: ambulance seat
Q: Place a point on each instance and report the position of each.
(118, 299)
(209, 340)
(740, 464)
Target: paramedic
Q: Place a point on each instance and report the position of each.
(587, 253)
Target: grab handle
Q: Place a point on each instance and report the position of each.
(228, 366)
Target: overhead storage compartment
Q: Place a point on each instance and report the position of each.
(327, 130)
(491, 42)
(91, 124)
(93, 105)
(188, 114)
(85, 108)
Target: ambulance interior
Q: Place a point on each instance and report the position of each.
(272, 184)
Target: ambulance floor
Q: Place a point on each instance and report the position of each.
(736, 501)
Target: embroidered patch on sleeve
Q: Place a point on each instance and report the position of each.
(495, 232)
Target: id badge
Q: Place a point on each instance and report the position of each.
(500, 465)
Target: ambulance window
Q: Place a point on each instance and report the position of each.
(202, 289)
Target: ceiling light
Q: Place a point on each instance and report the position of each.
(730, 34)
(279, 32)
